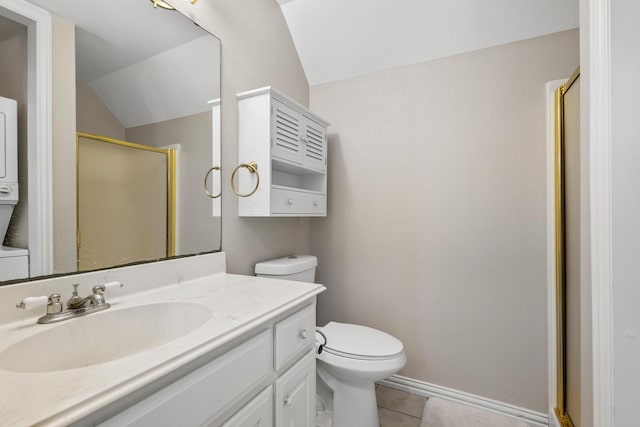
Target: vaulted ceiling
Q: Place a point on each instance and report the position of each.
(146, 64)
(338, 39)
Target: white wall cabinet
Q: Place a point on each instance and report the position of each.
(243, 387)
(289, 144)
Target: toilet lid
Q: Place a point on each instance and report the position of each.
(360, 341)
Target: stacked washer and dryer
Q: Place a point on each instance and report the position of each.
(14, 262)
(352, 358)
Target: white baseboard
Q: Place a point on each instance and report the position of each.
(421, 388)
(554, 421)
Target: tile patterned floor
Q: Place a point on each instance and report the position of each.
(398, 408)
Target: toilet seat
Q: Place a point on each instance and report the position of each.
(357, 352)
(360, 342)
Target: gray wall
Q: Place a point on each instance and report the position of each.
(625, 69)
(198, 230)
(436, 229)
(257, 51)
(92, 116)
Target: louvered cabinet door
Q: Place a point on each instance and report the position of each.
(314, 141)
(286, 133)
(288, 142)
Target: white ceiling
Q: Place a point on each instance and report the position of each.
(145, 64)
(338, 39)
(115, 34)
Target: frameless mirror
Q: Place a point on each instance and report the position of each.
(135, 130)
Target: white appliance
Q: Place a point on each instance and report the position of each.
(14, 262)
(353, 357)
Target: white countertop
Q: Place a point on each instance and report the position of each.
(238, 304)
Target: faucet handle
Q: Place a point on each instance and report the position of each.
(33, 302)
(54, 305)
(75, 298)
(52, 302)
(107, 287)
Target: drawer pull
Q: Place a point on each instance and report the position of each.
(290, 202)
(316, 203)
(303, 334)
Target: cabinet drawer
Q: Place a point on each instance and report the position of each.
(257, 413)
(294, 335)
(296, 202)
(202, 395)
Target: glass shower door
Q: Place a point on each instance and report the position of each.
(124, 202)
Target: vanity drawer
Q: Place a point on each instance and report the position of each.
(257, 413)
(297, 202)
(294, 335)
(202, 396)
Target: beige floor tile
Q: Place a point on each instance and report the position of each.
(390, 418)
(400, 401)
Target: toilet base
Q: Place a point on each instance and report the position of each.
(353, 404)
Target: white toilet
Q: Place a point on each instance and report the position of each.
(353, 358)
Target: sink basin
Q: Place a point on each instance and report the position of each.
(103, 337)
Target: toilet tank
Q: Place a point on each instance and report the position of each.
(301, 268)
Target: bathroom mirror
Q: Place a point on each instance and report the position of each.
(146, 80)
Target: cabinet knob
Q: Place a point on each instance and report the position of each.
(316, 203)
(290, 202)
(302, 334)
(288, 401)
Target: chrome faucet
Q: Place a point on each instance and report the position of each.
(76, 306)
(93, 300)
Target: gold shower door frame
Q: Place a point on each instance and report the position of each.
(171, 187)
(560, 252)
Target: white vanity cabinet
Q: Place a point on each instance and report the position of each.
(295, 394)
(246, 386)
(257, 413)
(289, 145)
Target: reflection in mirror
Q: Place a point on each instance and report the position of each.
(135, 130)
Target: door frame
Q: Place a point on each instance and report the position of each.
(595, 126)
(595, 63)
(556, 247)
(39, 131)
